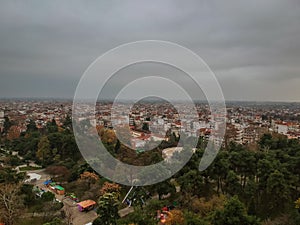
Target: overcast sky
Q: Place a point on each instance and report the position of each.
(253, 47)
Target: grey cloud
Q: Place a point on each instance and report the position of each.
(252, 46)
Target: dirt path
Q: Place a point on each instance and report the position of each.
(70, 208)
(76, 217)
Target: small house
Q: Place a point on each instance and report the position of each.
(59, 190)
(86, 205)
(47, 182)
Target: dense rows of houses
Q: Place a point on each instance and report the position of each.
(151, 121)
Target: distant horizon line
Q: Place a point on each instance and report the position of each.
(111, 100)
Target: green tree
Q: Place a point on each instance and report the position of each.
(52, 126)
(69, 148)
(232, 185)
(164, 188)
(68, 122)
(265, 167)
(44, 153)
(243, 163)
(191, 182)
(117, 146)
(31, 127)
(278, 192)
(8, 175)
(48, 196)
(145, 127)
(7, 124)
(107, 209)
(140, 217)
(219, 169)
(266, 141)
(193, 219)
(97, 221)
(28, 194)
(233, 213)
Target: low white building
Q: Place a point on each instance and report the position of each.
(168, 152)
(32, 177)
(282, 128)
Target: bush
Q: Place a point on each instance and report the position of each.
(48, 196)
(97, 221)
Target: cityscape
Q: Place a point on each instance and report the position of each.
(149, 112)
(246, 122)
(38, 142)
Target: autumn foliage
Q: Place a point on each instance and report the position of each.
(110, 188)
(107, 135)
(175, 217)
(89, 176)
(13, 132)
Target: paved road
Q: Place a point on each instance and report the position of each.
(126, 211)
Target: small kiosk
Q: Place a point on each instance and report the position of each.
(86, 205)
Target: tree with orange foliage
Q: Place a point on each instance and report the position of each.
(89, 178)
(107, 136)
(100, 129)
(204, 207)
(110, 188)
(13, 132)
(175, 217)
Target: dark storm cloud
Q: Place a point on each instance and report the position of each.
(252, 46)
